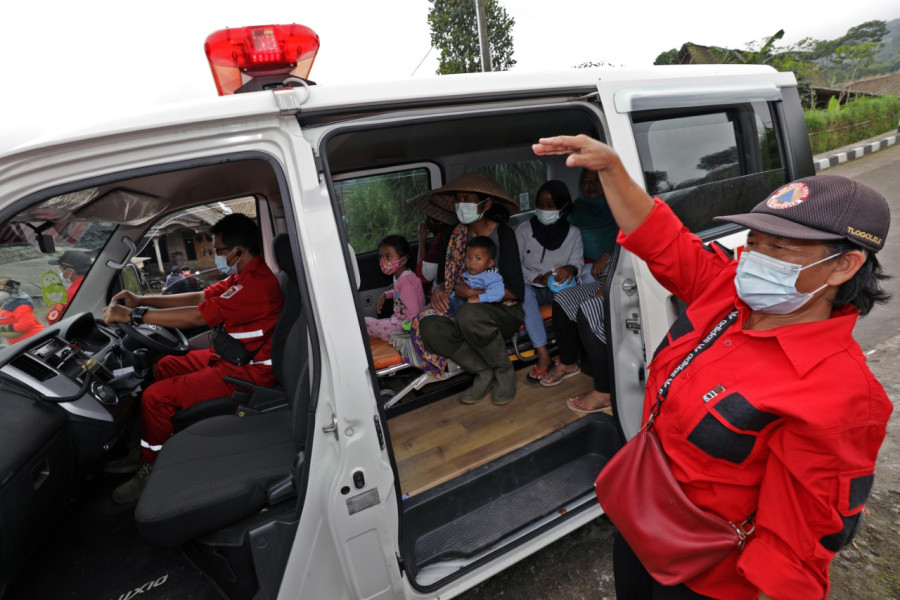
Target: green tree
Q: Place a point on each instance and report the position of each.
(454, 31)
(591, 64)
(667, 57)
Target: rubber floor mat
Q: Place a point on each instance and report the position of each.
(93, 551)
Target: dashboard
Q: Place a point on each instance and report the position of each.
(71, 366)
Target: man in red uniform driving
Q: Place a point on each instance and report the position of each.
(247, 304)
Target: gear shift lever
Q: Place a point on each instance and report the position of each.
(141, 364)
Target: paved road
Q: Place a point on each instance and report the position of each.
(579, 566)
(881, 170)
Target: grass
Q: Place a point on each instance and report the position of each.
(858, 119)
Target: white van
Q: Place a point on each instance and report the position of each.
(330, 486)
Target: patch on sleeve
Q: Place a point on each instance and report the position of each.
(860, 487)
(835, 541)
(232, 291)
(853, 490)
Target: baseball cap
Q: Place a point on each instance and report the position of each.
(72, 259)
(9, 285)
(823, 207)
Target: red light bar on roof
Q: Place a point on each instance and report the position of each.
(238, 55)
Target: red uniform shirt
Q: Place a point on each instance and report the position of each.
(248, 303)
(785, 422)
(20, 315)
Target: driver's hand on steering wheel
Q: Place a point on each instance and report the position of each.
(128, 299)
(116, 313)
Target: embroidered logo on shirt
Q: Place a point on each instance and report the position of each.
(232, 291)
(787, 196)
(713, 393)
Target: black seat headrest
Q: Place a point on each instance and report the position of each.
(284, 256)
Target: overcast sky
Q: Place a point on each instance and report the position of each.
(66, 63)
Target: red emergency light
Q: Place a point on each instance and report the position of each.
(237, 56)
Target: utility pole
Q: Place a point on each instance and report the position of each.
(483, 40)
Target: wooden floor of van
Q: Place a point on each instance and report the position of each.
(446, 439)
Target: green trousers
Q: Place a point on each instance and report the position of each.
(483, 326)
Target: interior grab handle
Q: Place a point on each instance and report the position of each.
(132, 252)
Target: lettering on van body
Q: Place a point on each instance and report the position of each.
(144, 588)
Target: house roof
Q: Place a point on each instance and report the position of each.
(878, 86)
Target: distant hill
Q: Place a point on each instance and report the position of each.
(889, 56)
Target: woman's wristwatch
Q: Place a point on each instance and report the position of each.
(137, 315)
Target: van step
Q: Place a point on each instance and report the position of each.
(480, 528)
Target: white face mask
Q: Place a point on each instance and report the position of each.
(4, 296)
(769, 285)
(467, 212)
(547, 217)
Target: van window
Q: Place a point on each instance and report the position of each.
(521, 180)
(182, 239)
(710, 162)
(374, 206)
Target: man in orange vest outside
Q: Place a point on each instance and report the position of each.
(17, 320)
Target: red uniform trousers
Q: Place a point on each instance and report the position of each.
(183, 381)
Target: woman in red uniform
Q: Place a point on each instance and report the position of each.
(780, 417)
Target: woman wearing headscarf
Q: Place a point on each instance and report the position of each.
(552, 254)
(475, 338)
(579, 312)
(591, 214)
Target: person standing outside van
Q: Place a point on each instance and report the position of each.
(780, 418)
(246, 304)
(17, 320)
(73, 265)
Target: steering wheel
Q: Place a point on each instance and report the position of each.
(162, 339)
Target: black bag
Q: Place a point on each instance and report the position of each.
(230, 349)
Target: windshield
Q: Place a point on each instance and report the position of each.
(42, 265)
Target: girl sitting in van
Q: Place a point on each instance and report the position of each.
(406, 289)
(552, 254)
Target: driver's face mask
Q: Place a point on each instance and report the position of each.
(4, 296)
(769, 285)
(223, 266)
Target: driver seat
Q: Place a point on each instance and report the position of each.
(226, 468)
(250, 397)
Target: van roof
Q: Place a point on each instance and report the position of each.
(419, 91)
